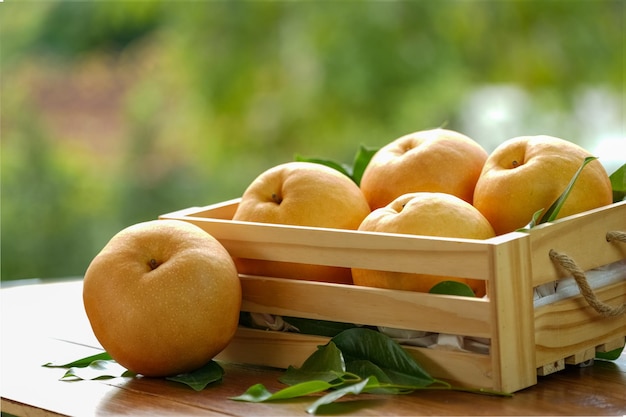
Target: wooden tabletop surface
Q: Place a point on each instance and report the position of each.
(46, 323)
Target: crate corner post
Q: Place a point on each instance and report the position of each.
(513, 333)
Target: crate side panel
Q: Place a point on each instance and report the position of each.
(367, 306)
(570, 326)
(582, 237)
(612, 345)
(270, 348)
(281, 350)
(348, 248)
(463, 369)
(510, 292)
(224, 210)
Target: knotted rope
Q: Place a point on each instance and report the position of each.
(616, 235)
(581, 280)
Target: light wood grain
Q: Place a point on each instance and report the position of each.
(581, 357)
(463, 369)
(268, 348)
(570, 326)
(345, 248)
(367, 306)
(611, 345)
(582, 237)
(513, 339)
(281, 350)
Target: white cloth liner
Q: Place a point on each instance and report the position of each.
(543, 295)
(567, 287)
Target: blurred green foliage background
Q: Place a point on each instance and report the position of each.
(116, 112)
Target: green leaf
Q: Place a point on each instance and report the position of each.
(452, 288)
(255, 394)
(618, 184)
(325, 364)
(366, 367)
(370, 357)
(533, 222)
(362, 158)
(202, 377)
(102, 366)
(302, 389)
(329, 163)
(355, 388)
(258, 393)
(318, 327)
(365, 344)
(98, 369)
(552, 212)
(80, 363)
(611, 355)
(361, 161)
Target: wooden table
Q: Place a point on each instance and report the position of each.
(46, 322)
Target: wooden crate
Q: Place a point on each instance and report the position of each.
(524, 341)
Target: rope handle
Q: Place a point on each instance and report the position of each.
(581, 280)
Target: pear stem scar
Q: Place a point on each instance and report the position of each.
(276, 198)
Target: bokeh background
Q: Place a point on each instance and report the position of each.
(115, 112)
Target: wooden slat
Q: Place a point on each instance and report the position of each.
(552, 367)
(392, 252)
(580, 357)
(281, 350)
(371, 306)
(270, 348)
(462, 369)
(612, 345)
(224, 210)
(578, 236)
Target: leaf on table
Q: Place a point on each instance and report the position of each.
(366, 367)
(80, 363)
(258, 393)
(98, 369)
(365, 344)
(255, 394)
(200, 378)
(325, 364)
(355, 361)
(333, 396)
(302, 389)
(102, 366)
